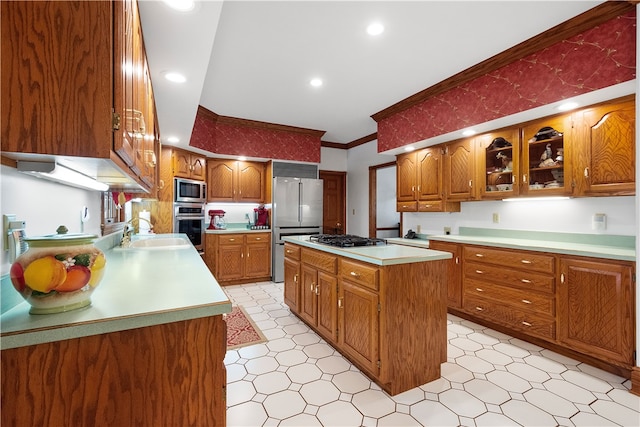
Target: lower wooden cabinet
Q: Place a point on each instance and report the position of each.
(583, 307)
(390, 321)
(239, 257)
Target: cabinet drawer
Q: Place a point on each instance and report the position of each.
(533, 324)
(362, 274)
(226, 239)
(520, 278)
(291, 251)
(258, 237)
(522, 260)
(406, 206)
(320, 260)
(519, 299)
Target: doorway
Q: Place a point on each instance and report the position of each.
(334, 211)
(384, 220)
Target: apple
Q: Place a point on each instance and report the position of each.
(77, 277)
(17, 277)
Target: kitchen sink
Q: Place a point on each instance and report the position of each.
(158, 243)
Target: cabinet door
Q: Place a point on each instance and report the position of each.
(359, 325)
(198, 167)
(429, 174)
(606, 137)
(546, 168)
(210, 250)
(181, 164)
(454, 270)
(596, 308)
(309, 300)
(251, 182)
(328, 306)
(230, 264)
(292, 284)
(459, 170)
(221, 180)
(406, 172)
(258, 259)
(498, 164)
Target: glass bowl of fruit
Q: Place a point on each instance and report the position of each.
(59, 272)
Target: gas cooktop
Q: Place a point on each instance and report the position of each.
(345, 240)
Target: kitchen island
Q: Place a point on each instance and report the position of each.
(149, 350)
(383, 307)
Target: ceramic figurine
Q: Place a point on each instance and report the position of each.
(546, 159)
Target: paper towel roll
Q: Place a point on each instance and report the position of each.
(144, 226)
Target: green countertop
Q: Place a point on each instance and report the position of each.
(590, 245)
(379, 255)
(141, 287)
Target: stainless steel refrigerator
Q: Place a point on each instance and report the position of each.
(296, 209)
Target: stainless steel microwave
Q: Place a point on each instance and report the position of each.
(188, 190)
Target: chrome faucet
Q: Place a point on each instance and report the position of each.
(127, 232)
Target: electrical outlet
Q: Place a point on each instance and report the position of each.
(496, 218)
(599, 221)
(447, 230)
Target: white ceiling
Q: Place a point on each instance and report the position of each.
(254, 59)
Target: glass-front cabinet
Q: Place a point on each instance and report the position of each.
(499, 153)
(546, 156)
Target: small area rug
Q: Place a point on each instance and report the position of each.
(241, 330)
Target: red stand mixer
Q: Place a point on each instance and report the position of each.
(217, 221)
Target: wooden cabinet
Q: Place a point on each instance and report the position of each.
(454, 271)
(459, 170)
(596, 313)
(239, 258)
(499, 164)
(512, 288)
(236, 181)
(189, 165)
(605, 162)
(68, 94)
(419, 182)
(390, 321)
(579, 306)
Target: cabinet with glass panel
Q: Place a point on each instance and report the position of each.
(499, 155)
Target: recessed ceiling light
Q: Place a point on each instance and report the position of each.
(375, 28)
(181, 5)
(173, 139)
(242, 158)
(409, 148)
(567, 106)
(175, 77)
(468, 132)
(315, 82)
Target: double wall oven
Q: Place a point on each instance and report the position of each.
(188, 210)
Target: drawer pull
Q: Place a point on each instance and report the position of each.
(479, 271)
(526, 323)
(525, 280)
(354, 274)
(526, 261)
(526, 301)
(232, 240)
(289, 252)
(479, 289)
(479, 308)
(479, 255)
(258, 238)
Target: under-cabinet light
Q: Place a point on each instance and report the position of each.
(58, 173)
(535, 199)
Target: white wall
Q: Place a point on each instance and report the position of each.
(45, 205)
(333, 159)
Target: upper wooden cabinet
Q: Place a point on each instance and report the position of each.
(79, 93)
(236, 181)
(498, 164)
(459, 170)
(419, 182)
(189, 165)
(605, 159)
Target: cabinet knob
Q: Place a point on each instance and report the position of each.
(524, 178)
(586, 172)
(479, 271)
(525, 281)
(526, 261)
(479, 255)
(339, 302)
(562, 278)
(258, 238)
(295, 278)
(526, 323)
(354, 274)
(526, 301)
(232, 240)
(479, 289)
(479, 308)
(457, 260)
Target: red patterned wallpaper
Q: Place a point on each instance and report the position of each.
(600, 57)
(223, 138)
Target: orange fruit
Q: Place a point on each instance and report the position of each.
(45, 274)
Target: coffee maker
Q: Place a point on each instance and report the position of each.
(217, 221)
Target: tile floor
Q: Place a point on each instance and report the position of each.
(490, 379)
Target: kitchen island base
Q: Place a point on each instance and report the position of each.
(168, 374)
(388, 319)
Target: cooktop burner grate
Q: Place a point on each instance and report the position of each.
(345, 240)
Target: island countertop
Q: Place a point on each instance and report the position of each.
(141, 287)
(389, 254)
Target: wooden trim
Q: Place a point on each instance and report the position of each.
(12, 163)
(635, 380)
(570, 28)
(352, 144)
(338, 145)
(233, 121)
